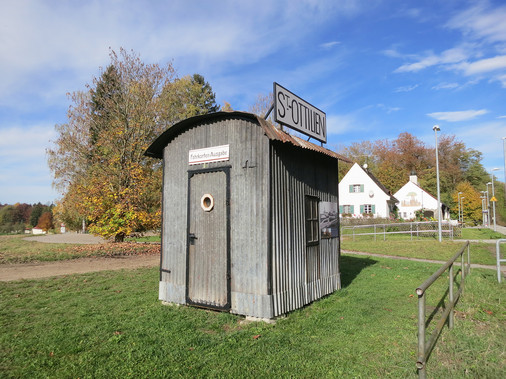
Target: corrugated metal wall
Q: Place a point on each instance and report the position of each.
(300, 273)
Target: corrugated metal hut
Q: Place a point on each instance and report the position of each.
(250, 216)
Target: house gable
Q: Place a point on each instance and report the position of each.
(360, 192)
(412, 198)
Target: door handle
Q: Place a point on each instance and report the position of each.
(192, 236)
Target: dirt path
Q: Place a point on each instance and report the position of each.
(74, 266)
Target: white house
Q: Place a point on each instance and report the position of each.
(413, 198)
(361, 194)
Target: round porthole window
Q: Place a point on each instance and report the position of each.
(207, 202)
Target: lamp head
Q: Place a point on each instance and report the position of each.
(436, 128)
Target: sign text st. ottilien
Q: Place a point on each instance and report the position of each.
(298, 114)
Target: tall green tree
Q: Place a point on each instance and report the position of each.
(98, 161)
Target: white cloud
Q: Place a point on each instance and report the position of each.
(484, 65)
(388, 109)
(446, 86)
(458, 115)
(481, 22)
(329, 45)
(406, 88)
(340, 124)
(24, 174)
(502, 79)
(449, 56)
(71, 40)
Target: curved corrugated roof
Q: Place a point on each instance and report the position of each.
(273, 133)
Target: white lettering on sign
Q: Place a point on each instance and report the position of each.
(209, 154)
(296, 113)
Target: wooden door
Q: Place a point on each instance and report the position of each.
(208, 265)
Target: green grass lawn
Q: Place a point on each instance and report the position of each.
(110, 324)
(155, 238)
(482, 253)
(481, 234)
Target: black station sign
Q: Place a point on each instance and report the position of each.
(298, 114)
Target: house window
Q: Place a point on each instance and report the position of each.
(367, 209)
(356, 188)
(312, 220)
(347, 209)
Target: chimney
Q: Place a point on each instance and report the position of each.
(413, 178)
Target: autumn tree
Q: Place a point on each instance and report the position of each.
(98, 160)
(471, 203)
(46, 221)
(262, 105)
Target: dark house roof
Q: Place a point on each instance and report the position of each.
(273, 133)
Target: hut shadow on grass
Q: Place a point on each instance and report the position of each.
(350, 267)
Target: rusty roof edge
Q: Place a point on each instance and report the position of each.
(155, 150)
(274, 133)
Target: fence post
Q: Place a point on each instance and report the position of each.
(384, 232)
(450, 295)
(353, 233)
(468, 258)
(411, 230)
(420, 364)
(374, 232)
(498, 259)
(463, 267)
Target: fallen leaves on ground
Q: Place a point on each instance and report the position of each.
(115, 249)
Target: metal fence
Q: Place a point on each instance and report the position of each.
(425, 347)
(416, 230)
(498, 258)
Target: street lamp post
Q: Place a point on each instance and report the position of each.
(483, 198)
(458, 197)
(493, 198)
(485, 208)
(436, 128)
(488, 205)
(462, 209)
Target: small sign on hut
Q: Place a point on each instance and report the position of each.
(250, 222)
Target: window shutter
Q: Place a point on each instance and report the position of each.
(361, 188)
(361, 209)
(341, 209)
(351, 209)
(373, 209)
(351, 188)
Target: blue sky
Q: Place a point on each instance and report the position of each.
(377, 68)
